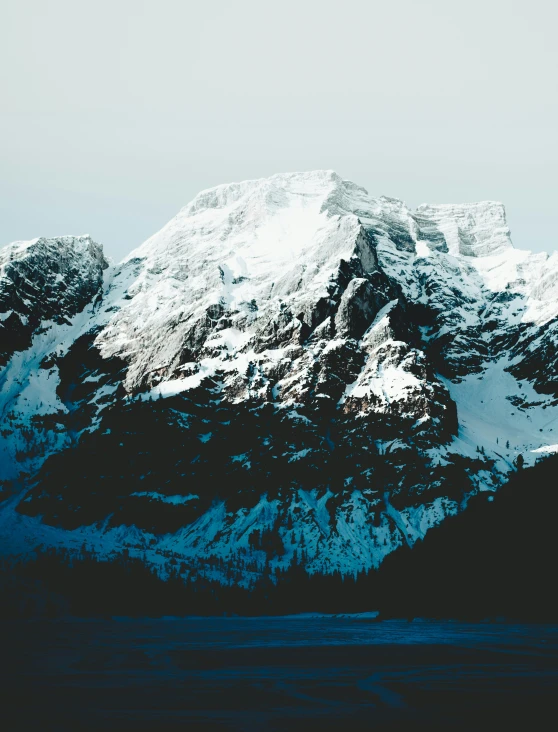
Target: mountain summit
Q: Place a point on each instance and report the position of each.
(290, 371)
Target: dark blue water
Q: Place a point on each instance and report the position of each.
(276, 674)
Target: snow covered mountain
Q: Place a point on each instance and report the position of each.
(290, 370)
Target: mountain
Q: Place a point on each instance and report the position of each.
(290, 372)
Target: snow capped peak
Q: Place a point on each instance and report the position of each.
(243, 209)
(55, 249)
(470, 229)
(244, 255)
(46, 279)
(276, 191)
(236, 257)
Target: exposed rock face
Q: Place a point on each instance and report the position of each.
(290, 370)
(472, 230)
(45, 280)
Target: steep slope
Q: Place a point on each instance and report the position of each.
(290, 370)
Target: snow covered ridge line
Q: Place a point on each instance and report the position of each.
(289, 371)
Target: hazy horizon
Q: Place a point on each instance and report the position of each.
(115, 115)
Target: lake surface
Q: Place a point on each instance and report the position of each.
(276, 674)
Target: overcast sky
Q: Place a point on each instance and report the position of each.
(115, 113)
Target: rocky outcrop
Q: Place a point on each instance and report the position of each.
(470, 230)
(45, 280)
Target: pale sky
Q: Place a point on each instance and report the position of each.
(115, 113)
